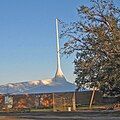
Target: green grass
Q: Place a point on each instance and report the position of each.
(41, 110)
(94, 107)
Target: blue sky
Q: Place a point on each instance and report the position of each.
(28, 38)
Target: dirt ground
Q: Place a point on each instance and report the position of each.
(83, 115)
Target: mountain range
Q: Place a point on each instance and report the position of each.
(56, 84)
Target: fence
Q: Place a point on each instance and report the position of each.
(65, 101)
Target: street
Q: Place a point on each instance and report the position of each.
(83, 115)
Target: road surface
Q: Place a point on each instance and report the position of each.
(83, 115)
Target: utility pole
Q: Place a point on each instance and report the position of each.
(74, 102)
(53, 101)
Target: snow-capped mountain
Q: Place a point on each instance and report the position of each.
(56, 84)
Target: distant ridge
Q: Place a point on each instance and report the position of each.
(38, 86)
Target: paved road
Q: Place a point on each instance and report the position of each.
(62, 116)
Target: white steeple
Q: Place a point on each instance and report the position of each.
(59, 71)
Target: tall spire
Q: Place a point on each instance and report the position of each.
(59, 71)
